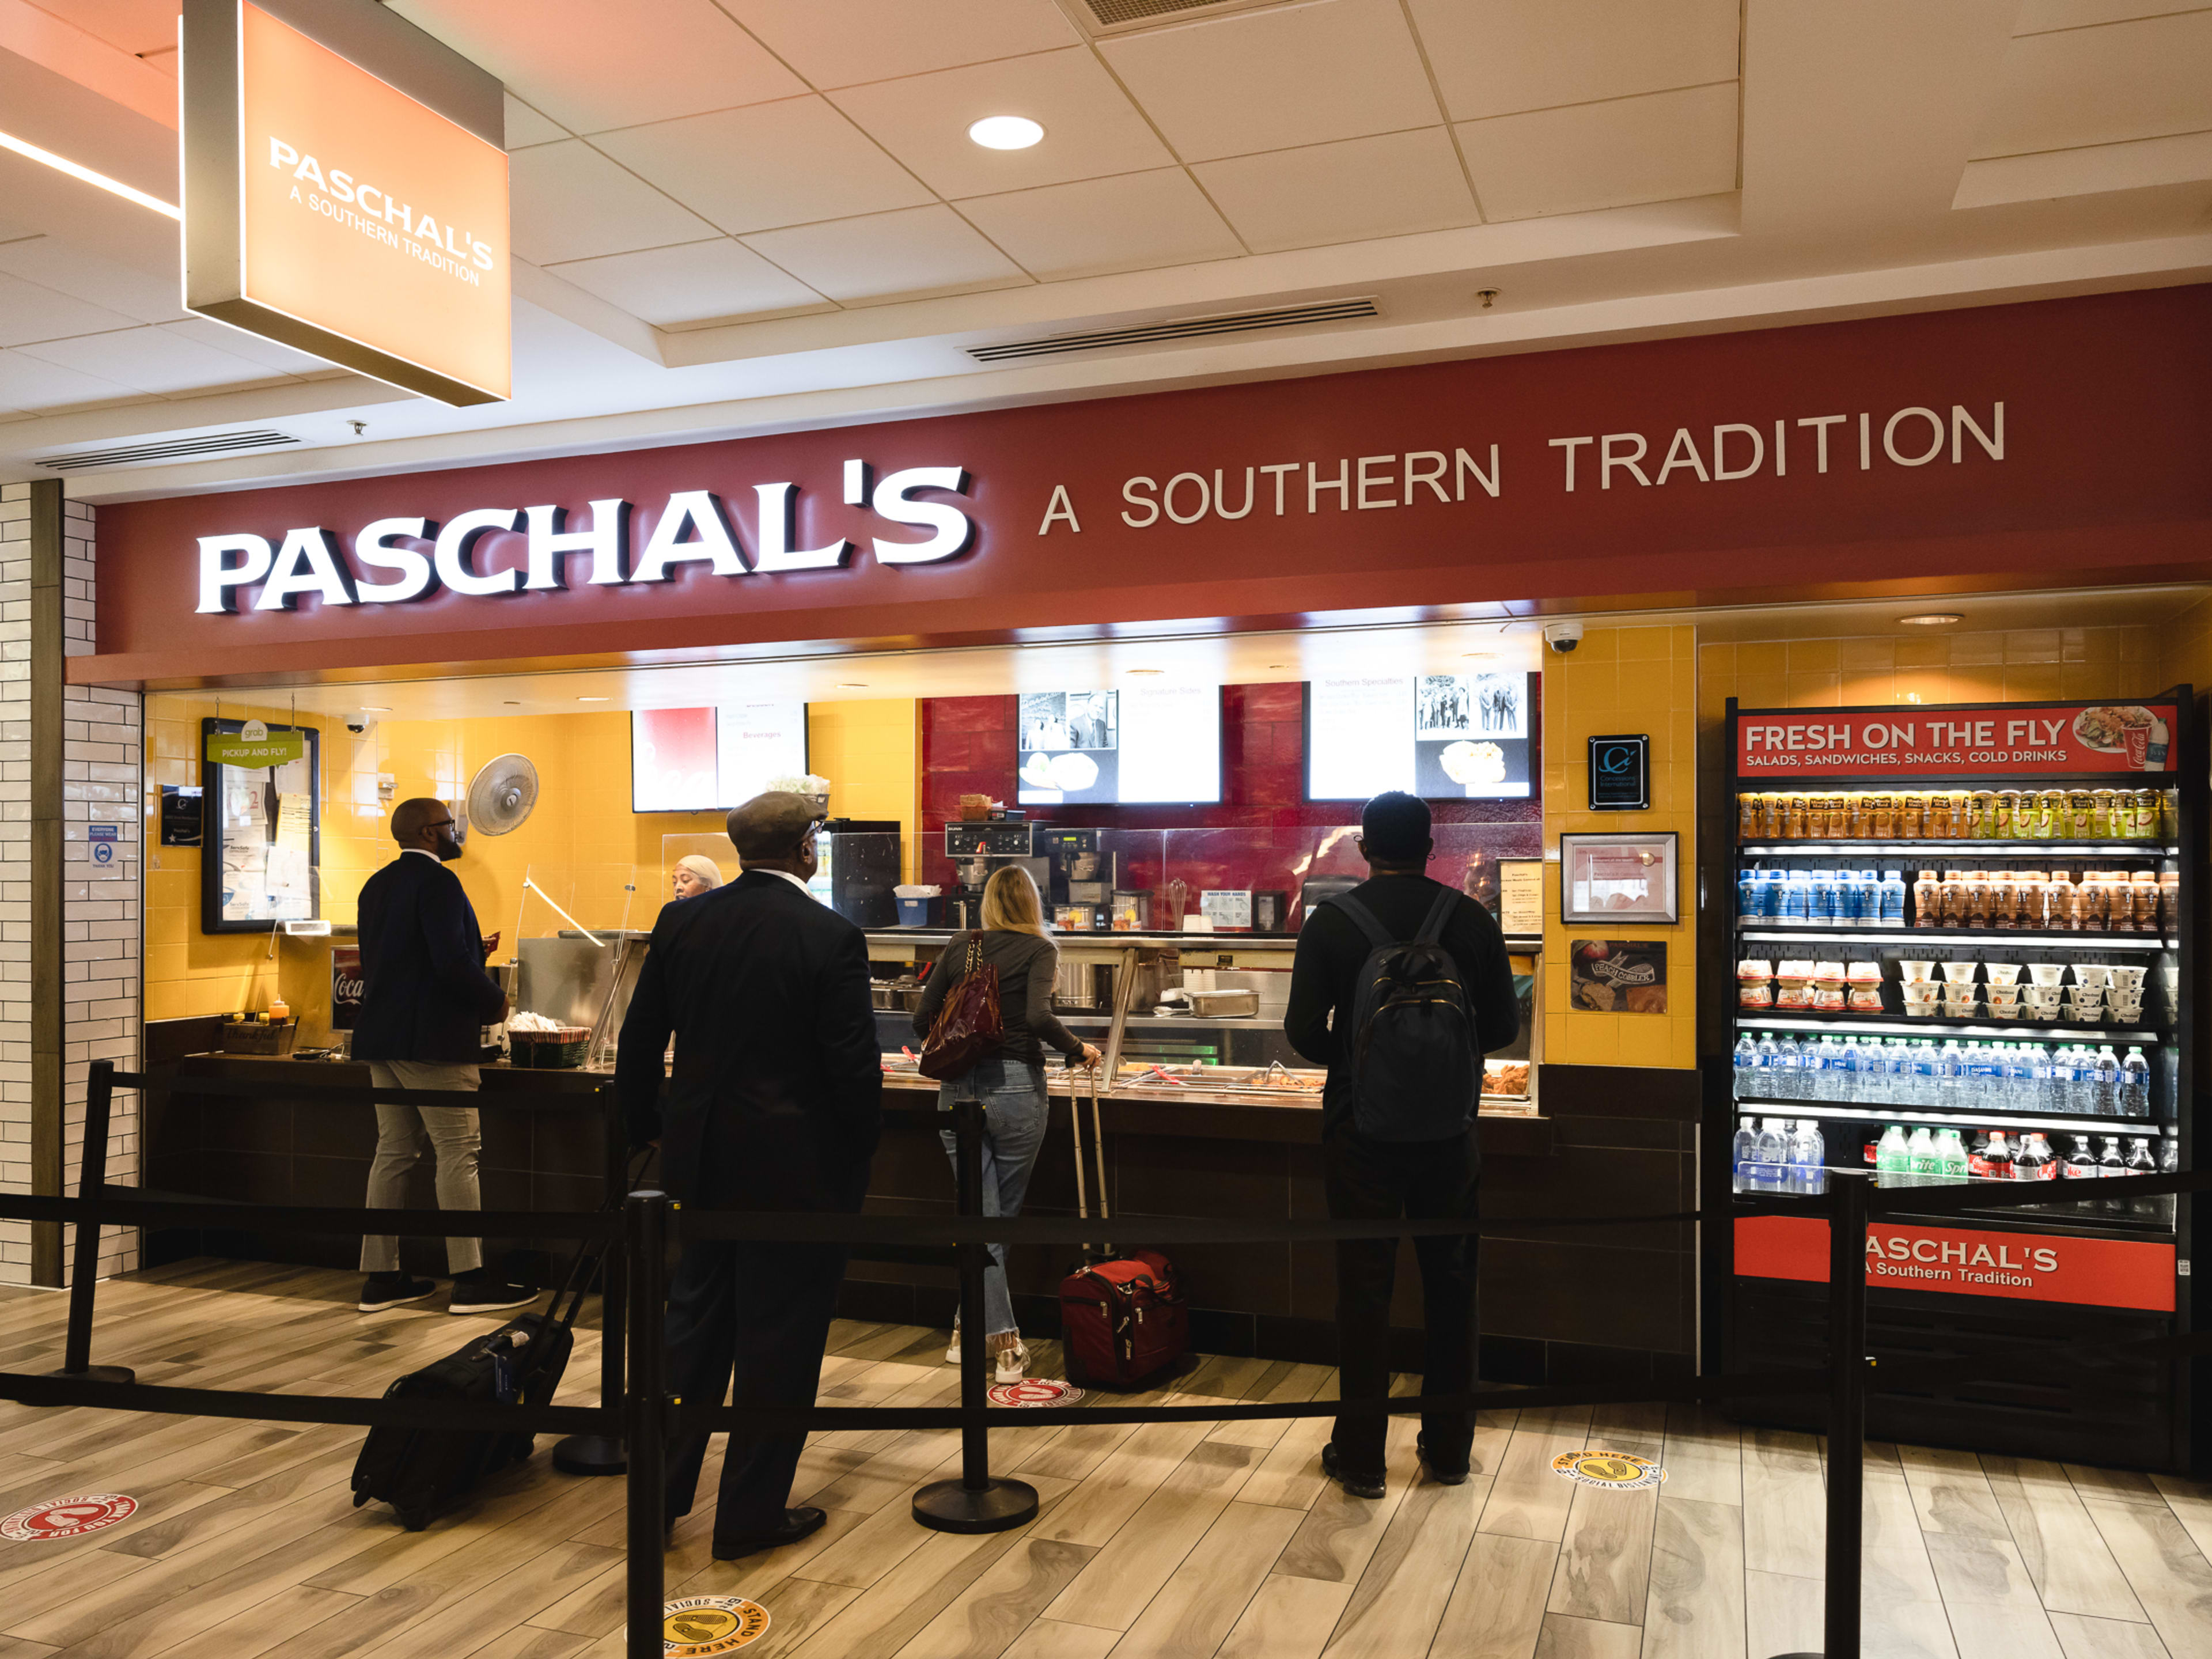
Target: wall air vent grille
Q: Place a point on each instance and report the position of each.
(1179, 328)
(175, 449)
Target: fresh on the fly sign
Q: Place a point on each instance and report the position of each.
(1908, 739)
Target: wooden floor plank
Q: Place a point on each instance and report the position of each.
(2064, 1553)
(1991, 1600)
(1297, 1382)
(1497, 1606)
(1047, 1640)
(983, 1621)
(1604, 1558)
(1785, 1505)
(1288, 1618)
(1140, 1558)
(2170, 1575)
(1951, 1494)
(2124, 1486)
(1527, 1500)
(1567, 1637)
(2089, 1639)
(1399, 1601)
(1703, 1455)
(1205, 1596)
(1781, 1615)
(1695, 1607)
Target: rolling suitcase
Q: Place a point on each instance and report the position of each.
(423, 1472)
(1123, 1320)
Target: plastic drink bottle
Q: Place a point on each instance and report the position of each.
(1746, 1156)
(2134, 1085)
(1746, 894)
(2033, 1162)
(2041, 1096)
(2111, 1164)
(1950, 1067)
(1920, 1152)
(1892, 898)
(1747, 1070)
(1951, 1155)
(1821, 899)
(1891, 1158)
(1814, 1161)
(2140, 1161)
(2107, 1083)
(2080, 1162)
(1997, 1157)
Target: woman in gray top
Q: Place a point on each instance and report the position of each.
(1010, 1083)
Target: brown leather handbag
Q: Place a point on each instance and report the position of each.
(968, 1026)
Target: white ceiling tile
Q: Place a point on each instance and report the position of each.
(572, 202)
(525, 126)
(787, 163)
(2040, 16)
(919, 250)
(1497, 57)
(250, 348)
(30, 311)
(1268, 80)
(1658, 147)
(1391, 186)
(671, 285)
(144, 296)
(591, 65)
(149, 360)
(28, 382)
(1091, 128)
(841, 43)
(137, 26)
(2102, 86)
(1137, 222)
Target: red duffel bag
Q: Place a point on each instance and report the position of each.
(1123, 1321)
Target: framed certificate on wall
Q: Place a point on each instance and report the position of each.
(1620, 877)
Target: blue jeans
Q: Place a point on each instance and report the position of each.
(1015, 1113)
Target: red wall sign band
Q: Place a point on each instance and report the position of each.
(1910, 741)
(1841, 453)
(2103, 1273)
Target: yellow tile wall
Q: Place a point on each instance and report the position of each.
(1943, 666)
(582, 841)
(1622, 680)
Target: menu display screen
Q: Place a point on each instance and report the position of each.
(1153, 743)
(1442, 737)
(704, 760)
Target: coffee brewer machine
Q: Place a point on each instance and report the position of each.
(978, 851)
(1084, 876)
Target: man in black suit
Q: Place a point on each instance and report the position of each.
(775, 1103)
(425, 997)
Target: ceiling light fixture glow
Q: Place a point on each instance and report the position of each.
(113, 187)
(1144, 670)
(1005, 132)
(590, 700)
(1931, 619)
(374, 708)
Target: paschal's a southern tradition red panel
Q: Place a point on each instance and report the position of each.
(1906, 741)
(2104, 1273)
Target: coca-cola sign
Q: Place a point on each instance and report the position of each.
(346, 986)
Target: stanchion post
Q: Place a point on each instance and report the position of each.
(644, 1237)
(84, 1275)
(603, 1454)
(1849, 1202)
(975, 1503)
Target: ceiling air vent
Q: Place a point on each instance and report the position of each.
(1180, 328)
(1127, 16)
(175, 449)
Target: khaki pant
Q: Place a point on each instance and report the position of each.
(454, 1140)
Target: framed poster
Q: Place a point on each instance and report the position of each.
(1619, 878)
(1521, 896)
(262, 840)
(1621, 773)
(1617, 976)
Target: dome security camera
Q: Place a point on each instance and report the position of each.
(1562, 637)
(360, 723)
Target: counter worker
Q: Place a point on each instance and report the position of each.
(425, 999)
(774, 1103)
(1010, 1083)
(694, 874)
(1370, 1177)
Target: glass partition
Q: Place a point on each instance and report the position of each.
(579, 934)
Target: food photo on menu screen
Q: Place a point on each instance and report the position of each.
(1154, 743)
(699, 760)
(1442, 737)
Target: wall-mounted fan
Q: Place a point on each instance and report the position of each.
(501, 794)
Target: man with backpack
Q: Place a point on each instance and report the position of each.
(1399, 988)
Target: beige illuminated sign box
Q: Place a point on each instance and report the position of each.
(345, 191)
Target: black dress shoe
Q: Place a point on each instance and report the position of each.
(1355, 1486)
(394, 1291)
(797, 1523)
(479, 1293)
(1440, 1473)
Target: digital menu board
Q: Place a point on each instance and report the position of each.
(703, 760)
(1156, 743)
(1442, 737)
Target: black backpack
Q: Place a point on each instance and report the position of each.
(1412, 1045)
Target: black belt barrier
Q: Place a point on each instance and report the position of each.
(637, 1408)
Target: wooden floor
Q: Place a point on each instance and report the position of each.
(1167, 1540)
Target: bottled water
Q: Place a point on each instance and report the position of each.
(1926, 1073)
(1746, 1156)
(2066, 1081)
(1789, 1069)
(2018, 1086)
(1950, 1067)
(2134, 1085)
(1769, 1062)
(1774, 1156)
(1808, 1157)
(2107, 1084)
(1747, 1071)
(2041, 1088)
(1851, 1063)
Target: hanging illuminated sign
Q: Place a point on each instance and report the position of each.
(346, 191)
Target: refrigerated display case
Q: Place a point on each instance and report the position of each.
(1965, 942)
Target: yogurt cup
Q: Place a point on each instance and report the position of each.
(1960, 973)
(2046, 974)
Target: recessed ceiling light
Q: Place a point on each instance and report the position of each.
(1478, 656)
(590, 700)
(852, 685)
(1005, 132)
(374, 708)
(113, 187)
(1144, 670)
(1931, 619)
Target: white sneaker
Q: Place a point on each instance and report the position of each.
(1012, 1362)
